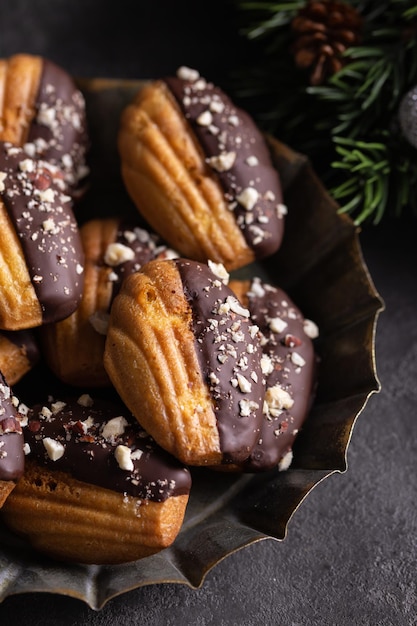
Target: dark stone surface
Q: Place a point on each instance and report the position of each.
(350, 556)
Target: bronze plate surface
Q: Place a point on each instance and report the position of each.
(321, 267)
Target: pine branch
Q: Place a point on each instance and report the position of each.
(377, 178)
(339, 123)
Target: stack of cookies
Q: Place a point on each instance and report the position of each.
(164, 360)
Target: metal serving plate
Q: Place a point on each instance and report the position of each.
(321, 267)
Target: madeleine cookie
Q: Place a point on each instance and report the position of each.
(12, 458)
(185, 358)
(43, 111)
(96, 488)
(41, 257)
(19, 352)
(114, 247)
(289, 364)
(199, 171)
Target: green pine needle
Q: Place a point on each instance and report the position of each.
(347, 126)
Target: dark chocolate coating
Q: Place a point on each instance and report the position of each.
(227, 350)
(294, 375)
(58, 132)
(89, 457)
(232, 130)
(12, 458)
(43, 218)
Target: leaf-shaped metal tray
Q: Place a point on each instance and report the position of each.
(321, 266)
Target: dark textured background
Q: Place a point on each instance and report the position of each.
(351, 552)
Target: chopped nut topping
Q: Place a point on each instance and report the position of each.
(222, 162)
(85, 400)
(54, 448)
(219, 270)
(252, 161)
(286, 461)
(277, 325)
(311, 329)
(297, 359)
(205, 118)
(247, 407)
(117, 253)
(123, 458)
(244, 385)
(248, 198)
(277, 398)
(187, 73)
(114, 428)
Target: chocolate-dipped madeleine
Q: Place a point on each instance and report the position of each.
(289, 365)
(185, 357)
(43, 111)
(96, 488)
(199, 171)
(41, 256)
(114, 247)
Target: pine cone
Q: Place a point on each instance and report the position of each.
(323, 31)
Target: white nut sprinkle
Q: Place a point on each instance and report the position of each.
(200, 84)
(114, 428)
(311, 329)
(117, 253)
(277, 325)
(46, 117)
(85, 400)
(187, 73)
(54, 448)
(222, 162)
(277, 398)
(297, 359)
(282, 210)
(48, 225)
(205, 118)
(136, 455)
(246, 407)
(86, 424)
(27, 165)
(45, 413)
(129, 235)
(123, 458)
(216, 106)
(214, 380)
(245, 385)
(252, 161)
(219, 270)
(267, 365)
(29, 149)
(248, 198)
(47, 195)
(3, 177)
(56, 407)
(256, 288)
(236, 307)
(285, 462)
